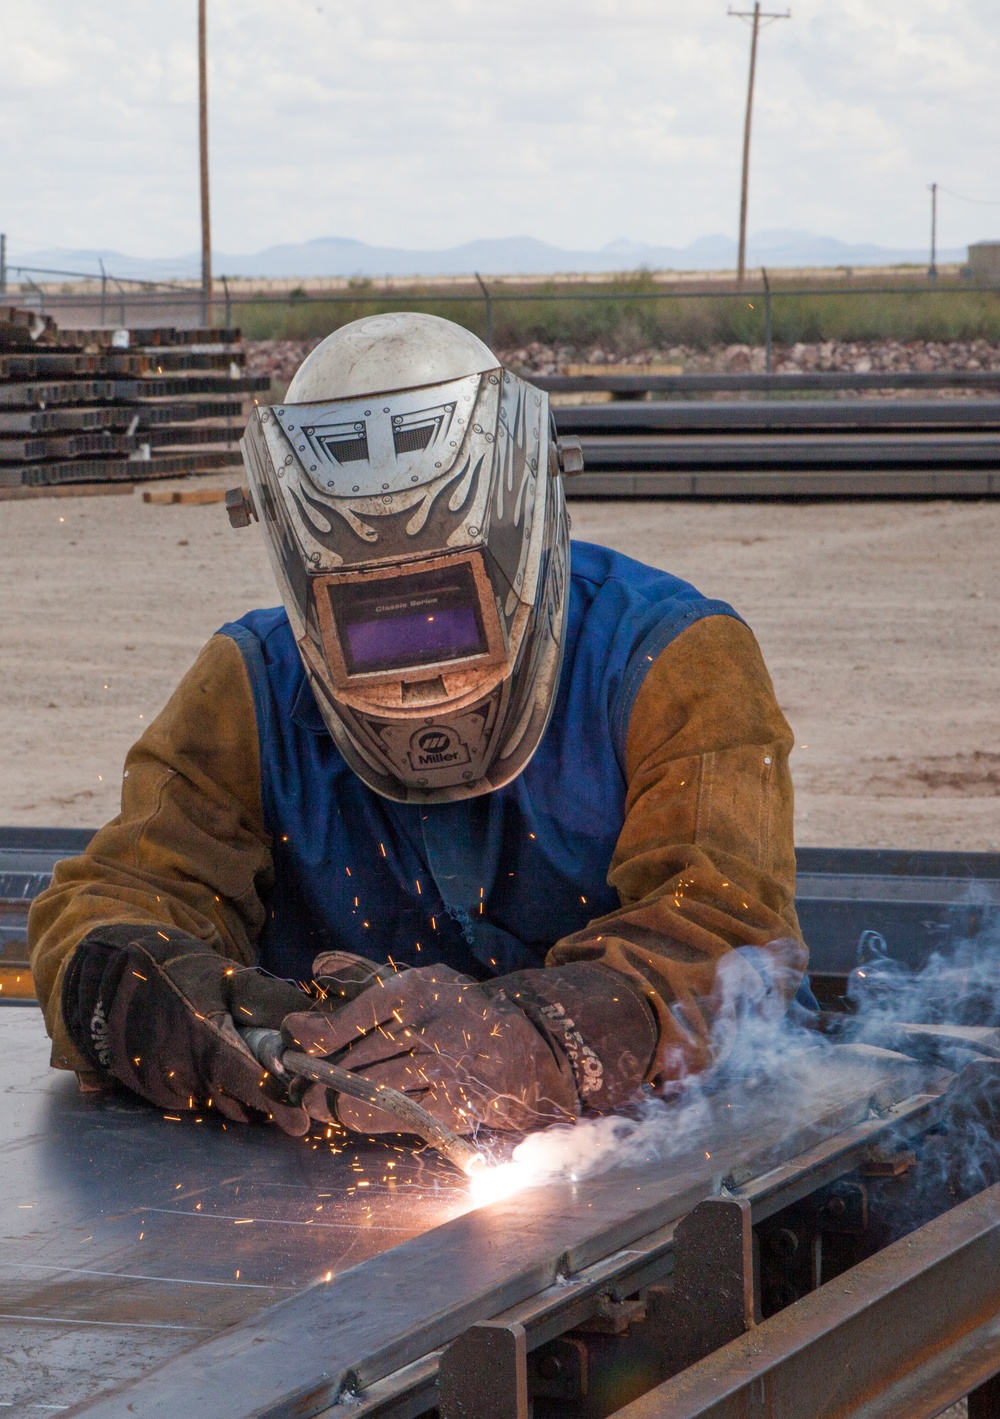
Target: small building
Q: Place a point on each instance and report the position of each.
(984, 261)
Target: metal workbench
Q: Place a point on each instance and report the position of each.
(159, 1267)
(125, 1236)
(182, 1258)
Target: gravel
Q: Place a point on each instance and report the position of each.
(281, 358)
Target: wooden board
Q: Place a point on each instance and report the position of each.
(195, 495)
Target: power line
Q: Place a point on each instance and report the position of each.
(978, 201)
(755, 16)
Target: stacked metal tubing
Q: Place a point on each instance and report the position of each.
(77, 408)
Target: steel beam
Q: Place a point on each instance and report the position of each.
(762, 383)
(648, 1262)
(670, 416)
(799, 483)
(919, 902)
(788, 452)
(911, 1330)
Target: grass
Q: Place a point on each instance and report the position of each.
(611, 314)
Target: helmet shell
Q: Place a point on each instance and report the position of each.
(387, 352)
(402, 455)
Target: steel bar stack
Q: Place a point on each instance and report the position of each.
(667, 436)
(102, 406)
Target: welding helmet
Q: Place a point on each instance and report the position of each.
(409, 492)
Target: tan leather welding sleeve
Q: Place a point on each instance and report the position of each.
(188, 848)
(705, 861)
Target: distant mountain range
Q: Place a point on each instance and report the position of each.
(505, 256)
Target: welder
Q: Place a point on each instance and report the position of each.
(497, 819)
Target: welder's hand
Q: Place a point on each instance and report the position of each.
(516, 1053)
(156, 1007)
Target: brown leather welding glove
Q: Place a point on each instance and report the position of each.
(340, 976)
(516, 1053)
(157, 1009)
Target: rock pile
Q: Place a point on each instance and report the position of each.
(854, 357)
(279, 359)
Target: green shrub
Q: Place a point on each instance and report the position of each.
(634, 312)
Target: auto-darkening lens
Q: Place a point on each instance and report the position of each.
(408, 621)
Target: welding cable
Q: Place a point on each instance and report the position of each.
(268, 1047)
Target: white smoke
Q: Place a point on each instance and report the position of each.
(785, 1065)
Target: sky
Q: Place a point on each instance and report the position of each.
(424, 125)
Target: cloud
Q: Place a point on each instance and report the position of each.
(424, 126)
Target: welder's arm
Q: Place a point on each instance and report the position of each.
(705, 861)
(188, 850)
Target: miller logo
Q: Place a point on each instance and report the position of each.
(437, 747)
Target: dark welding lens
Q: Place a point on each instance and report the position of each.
(408, 620)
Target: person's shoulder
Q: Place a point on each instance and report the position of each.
(263, 624)
(265, 639)
(594, 566)
(633, 608)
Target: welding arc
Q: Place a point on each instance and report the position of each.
(449, 1144)
(267, 1045)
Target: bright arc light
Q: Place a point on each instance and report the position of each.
(494, 1184)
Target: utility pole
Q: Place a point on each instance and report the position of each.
(3, 263)
(932, 268)
(206, 222)
(755, 16)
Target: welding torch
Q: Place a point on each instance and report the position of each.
(269, 1049)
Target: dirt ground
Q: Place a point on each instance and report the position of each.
(880, 623)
